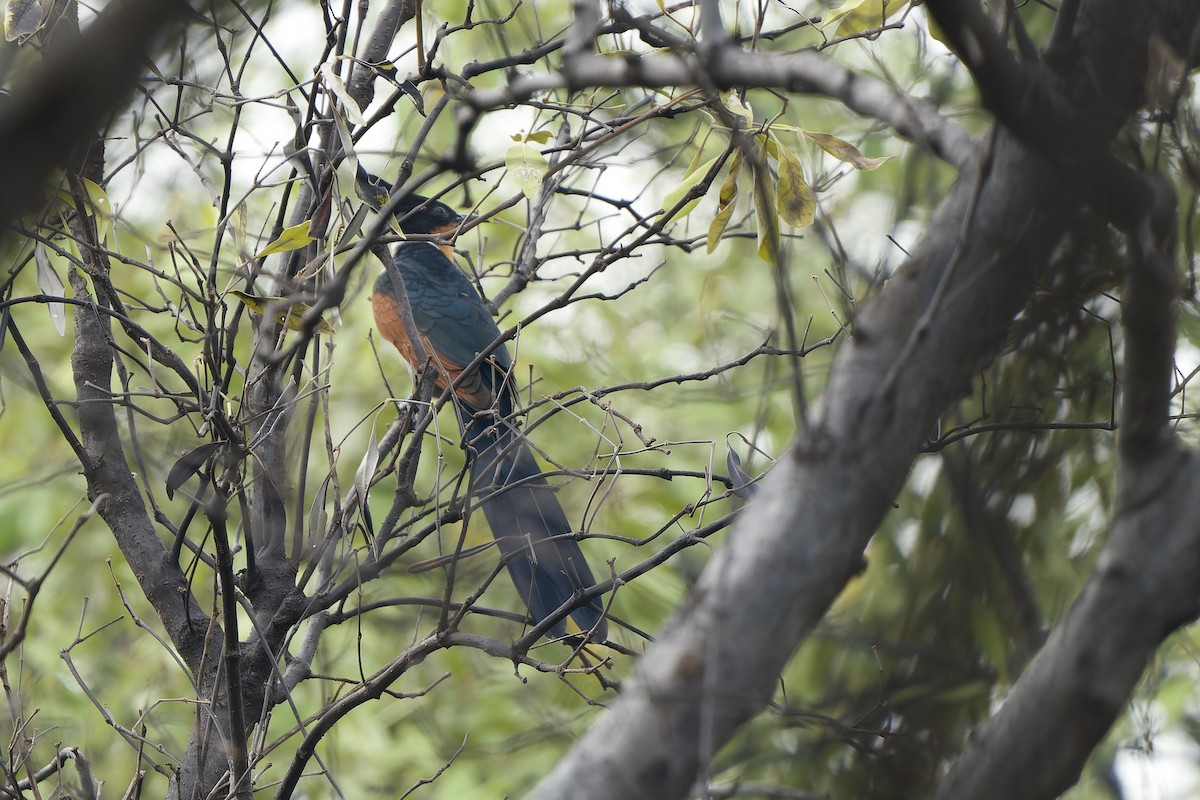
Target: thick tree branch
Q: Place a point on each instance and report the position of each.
(106, 471)
(1148, 311)
(362, 82)
(1147, 581)
(1070, 122)
(1022, 96)
(805, 72)
(802, 538)
(1146, 584)
(84, 77)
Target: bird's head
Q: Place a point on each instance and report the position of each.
(416, 214)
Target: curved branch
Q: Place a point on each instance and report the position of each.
(805, 72)
(801, 539)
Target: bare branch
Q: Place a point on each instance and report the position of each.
(805, 72)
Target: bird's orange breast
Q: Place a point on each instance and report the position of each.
(389, 319)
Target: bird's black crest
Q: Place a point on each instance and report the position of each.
(415, 213)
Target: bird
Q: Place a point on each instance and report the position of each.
(528, 523)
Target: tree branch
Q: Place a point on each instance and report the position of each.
(805, 72)
(802, 537)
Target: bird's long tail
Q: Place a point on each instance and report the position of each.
(535, 539)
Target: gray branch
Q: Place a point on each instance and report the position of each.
(799, 542)
(806, 72)
(802, 538)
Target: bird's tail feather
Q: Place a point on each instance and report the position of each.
(544, 561)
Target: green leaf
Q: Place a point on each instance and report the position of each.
(844, 151)
(541, 137)
(100, 207)
(281, 310)
(694, 164)
(527, 166)
(795, 201)
(333, 82)
(96, 204)
(727, 201)
(694, 176)
(856, 16)
(366, 470)
(292, 238)
(989, 635)
(317, 516)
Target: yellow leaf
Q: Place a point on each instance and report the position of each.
(729, 187)
(690, 180)
(731, 101)
(541, 137)
(717, 227)
(765, 215)
(283, 312)
(935, 30)
(768, 141)
(292, 238)
(527, 166)
(844, 151)
(694, 164)
(856, 16)
(727, 198)
(795, 200)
